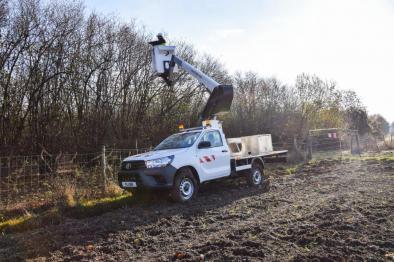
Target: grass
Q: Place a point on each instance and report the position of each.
(279, 169)
(86, 208)
(103, 201)
(30, 221)
(291, 170)
(57, 215)
(15, 222)
(346, 155)
(99, 206)
(380, 157)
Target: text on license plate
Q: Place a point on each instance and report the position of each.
(129, 184)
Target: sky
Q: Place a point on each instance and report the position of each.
(348, 41)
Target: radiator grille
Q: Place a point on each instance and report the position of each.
(133, 165)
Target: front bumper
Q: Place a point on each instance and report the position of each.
(151, 178)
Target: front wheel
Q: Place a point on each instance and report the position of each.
(185, 186)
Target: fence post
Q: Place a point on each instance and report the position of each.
(299, 156)
(309, 145)
(1, 167)
(104, 168)
(340, 145)
(351, 144)
(8, 180)
(136, 145)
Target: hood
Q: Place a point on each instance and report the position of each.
(156, 154)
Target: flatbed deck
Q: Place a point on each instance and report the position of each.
(239, 163)
(263, 155)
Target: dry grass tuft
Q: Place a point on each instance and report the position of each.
(113, 190)
(69, 195)
(65, 193)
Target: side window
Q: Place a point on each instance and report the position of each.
(213, 137)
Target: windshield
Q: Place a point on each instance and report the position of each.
(181, 140)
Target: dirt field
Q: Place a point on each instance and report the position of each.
(327, 211)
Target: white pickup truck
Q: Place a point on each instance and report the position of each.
(185, 160)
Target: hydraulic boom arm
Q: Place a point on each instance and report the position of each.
(208, 82)
(164, 64)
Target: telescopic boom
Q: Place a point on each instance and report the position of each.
(164, 62)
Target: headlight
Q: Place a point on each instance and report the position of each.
(159, 162)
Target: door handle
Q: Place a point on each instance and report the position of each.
(224, 151)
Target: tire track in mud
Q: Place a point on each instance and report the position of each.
(328, 210)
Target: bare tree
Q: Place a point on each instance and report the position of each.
(72, 82)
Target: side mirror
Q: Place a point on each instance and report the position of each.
(204, 144)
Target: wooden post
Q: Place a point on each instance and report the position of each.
(1, 167)
(351, 143)
(136, 145)
(340, 144)
(297, 151)
(9, 181)
(104, 168)
(309, 147)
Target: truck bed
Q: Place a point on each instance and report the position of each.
(264, 155)
(268, 157)
(239, 163)
(245, 148)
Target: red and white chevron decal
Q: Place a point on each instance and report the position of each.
(207, 159)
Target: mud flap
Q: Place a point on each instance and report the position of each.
(219, 101)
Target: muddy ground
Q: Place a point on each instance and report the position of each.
(328, 211)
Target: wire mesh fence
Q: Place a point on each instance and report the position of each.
(325, 144)
(333, 142)
(38, 178)
(387, 142)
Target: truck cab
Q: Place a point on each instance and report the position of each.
(204, 151)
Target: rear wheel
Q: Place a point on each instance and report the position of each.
(257, 178)
(185, 186)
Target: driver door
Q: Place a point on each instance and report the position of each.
(215, 160)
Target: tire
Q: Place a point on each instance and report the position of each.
(185, 186)
(257, 178)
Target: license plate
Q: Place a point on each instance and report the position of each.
(129, 184)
